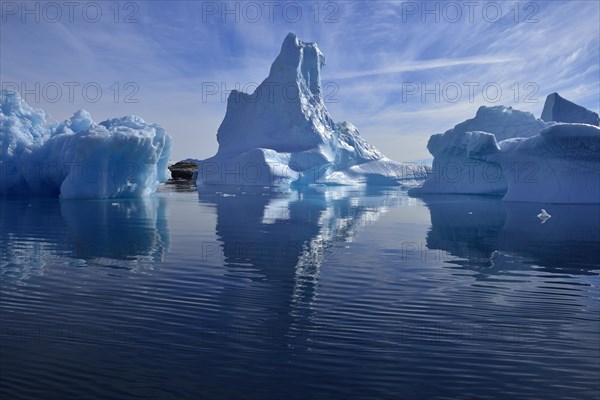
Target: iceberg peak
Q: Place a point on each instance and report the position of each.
(18, 116)
(300, 62)
(559, 109)
(81, 121)
(286, 112)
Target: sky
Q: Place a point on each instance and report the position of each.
(400, 71)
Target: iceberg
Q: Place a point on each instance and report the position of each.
(282, 134)
(460, 154)
(510, 153)
(77, 158)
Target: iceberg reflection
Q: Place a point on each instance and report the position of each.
(485, 232)
(43, 232)
(280, 239)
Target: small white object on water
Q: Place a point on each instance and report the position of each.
(115, 204)
(544, 216)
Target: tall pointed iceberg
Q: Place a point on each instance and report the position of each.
(282, 134)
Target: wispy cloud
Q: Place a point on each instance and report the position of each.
(421, 65)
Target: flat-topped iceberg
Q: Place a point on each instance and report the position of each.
(511, 153)
(282, 134)
(77, 158)
(562, 165)
(459, 164)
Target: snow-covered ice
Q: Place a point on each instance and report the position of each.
(283, 135)
(77, 158)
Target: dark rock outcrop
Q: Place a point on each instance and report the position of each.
(183, 170)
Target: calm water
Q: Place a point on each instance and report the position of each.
(331, 293)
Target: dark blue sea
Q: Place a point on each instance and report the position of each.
(323, 293)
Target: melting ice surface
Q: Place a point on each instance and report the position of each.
(315, 293)
(77, 158)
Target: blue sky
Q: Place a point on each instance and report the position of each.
(381, 58)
